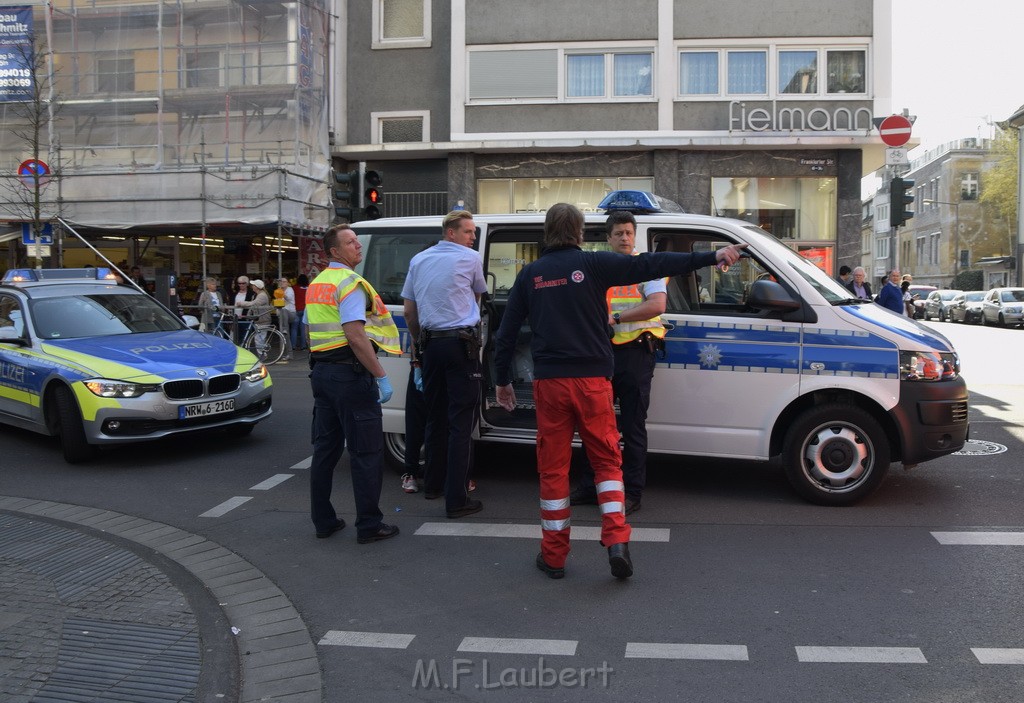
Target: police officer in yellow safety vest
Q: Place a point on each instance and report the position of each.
(633, 313)
(348, 323)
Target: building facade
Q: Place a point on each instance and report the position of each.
(190, 137)
(952, 231)
(762, 112)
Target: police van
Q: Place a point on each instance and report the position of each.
(770, 359)
(95, 363)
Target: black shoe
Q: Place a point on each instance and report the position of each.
(471, 506)
(632, 505)
(583, 496)
(433, 495)
(321, 534)
(385, 532)
(618, 558)
(551, 571)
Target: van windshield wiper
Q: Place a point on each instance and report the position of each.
(851, 301)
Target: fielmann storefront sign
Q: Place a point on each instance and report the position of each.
(747, 117)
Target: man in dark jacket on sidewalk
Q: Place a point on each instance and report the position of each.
(563, 295)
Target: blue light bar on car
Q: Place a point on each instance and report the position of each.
(90, 274)
(638, 202)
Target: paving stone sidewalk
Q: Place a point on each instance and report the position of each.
(100, 606)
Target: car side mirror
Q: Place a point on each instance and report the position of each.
(10, 335)
(191, 321)
(771, 295)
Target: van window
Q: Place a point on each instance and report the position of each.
(708, 290)
(386, 256)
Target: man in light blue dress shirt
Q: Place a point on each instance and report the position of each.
(442, 310)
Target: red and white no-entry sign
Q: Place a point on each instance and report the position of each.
(895, 130)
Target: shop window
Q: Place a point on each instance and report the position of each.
(401, 24)
(789, 208)
(502, 195)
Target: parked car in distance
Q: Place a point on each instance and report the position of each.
(920, 292)
(938, 302)
(1003, 306)
(966, 307)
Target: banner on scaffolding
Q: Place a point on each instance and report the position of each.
(17, 54)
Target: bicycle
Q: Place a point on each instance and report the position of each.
(265, 341)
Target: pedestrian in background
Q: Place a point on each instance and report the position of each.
(348, 323)
(210, 303)
(442, 310)
(285, 315)
(563, 294)
(298, 327)
(859, 284)
(891, 296)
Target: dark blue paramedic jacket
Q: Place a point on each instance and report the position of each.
(563, 295)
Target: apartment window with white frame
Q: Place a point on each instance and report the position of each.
(969, 186)
(600, 75)
(400, 127)
(933, 248)
(797, 70)
(401, 24)
(882, 248)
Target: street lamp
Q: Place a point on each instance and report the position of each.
(956, 236)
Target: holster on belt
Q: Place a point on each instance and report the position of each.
(652, 343)
(471, 341)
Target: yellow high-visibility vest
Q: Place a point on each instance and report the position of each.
(622, 298)
(328, 289)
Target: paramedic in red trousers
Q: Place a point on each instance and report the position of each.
(562, 294)
(442, 310)
(348, 322)
(633, 313)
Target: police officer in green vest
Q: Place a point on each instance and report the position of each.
(348, 323)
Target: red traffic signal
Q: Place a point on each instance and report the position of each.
(373, 196)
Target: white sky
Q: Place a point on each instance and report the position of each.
(956, 65)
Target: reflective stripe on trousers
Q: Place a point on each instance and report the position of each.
(583, 405)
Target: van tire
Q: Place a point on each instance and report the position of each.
(857, 460)
(70, 428)
(394, 452)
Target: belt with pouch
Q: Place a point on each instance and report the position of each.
(441, 334)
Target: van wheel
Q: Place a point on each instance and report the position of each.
(70, 428)
(835, 454)
(394, 452)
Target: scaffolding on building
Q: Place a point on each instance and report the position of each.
(180, 117)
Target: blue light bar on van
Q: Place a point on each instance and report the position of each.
(90, 274)
(638, 202)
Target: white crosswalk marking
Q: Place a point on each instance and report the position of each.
(862, 655)
(986, 655)
(508, 645)
(997, 539)
(658, 650)
(481, 529)
(227, 506)
(304, 464)
(381, 640)
(271, 482)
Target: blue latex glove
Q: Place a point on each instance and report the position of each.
(417, 378)
(384, 389)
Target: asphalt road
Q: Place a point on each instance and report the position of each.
(742, 591)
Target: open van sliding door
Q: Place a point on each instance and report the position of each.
(509, 248)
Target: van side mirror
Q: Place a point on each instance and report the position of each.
(771, 295)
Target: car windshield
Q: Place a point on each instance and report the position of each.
(976, 296)
(948, 294)
(100, 315)
(832, 290)
(1012, 296)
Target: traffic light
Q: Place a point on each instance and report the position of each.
(900, 198)
(346, 190)
(373, 196)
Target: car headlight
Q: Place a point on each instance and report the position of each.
(256, 373)
(105, 388)
(928, 366)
